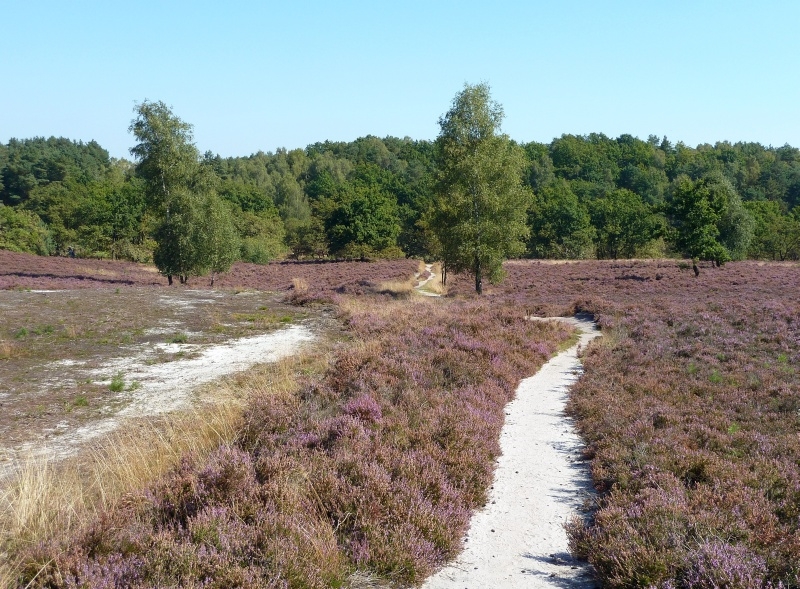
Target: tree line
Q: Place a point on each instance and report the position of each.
(576, 197)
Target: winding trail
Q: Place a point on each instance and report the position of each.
(518, 539)
(420, 287)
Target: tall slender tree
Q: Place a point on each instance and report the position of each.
(480, 204)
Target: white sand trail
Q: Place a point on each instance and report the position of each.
(518, 540)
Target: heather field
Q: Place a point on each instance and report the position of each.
(360, 462)
(373, 464)
(25, 271)
(690, 407)
(364, 465)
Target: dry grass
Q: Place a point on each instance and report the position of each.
(50, 500)
(92, 270)
(7, 350)
(71, 331)
(435, 284)
(300, 286)
(397, 288)
(366, 580)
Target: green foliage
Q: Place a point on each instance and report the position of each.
(560, 225)
(337, 196)
(117, 384)
(736, 227)
(776, 233)
(175, 252)
(262, 236)
(216, 239)
(480, 203)
(592, 159)
(196, 234)
(24, 231)
(623, 223)
(167, 160)
(364, 220)
(709, 221)
(31, 163)
(309, 240)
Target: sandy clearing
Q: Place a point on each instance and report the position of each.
(518, 539)
(163, 387)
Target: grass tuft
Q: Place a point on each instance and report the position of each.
(117, 384)
(396, 288)
(48, 501)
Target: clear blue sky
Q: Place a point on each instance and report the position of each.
(260, 75)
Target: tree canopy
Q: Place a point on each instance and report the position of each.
(593, 195)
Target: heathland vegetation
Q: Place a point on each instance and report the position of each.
(362, 463)
(359, 464)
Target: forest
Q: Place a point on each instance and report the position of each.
(590, 196)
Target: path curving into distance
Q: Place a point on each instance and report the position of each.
(420, 286)
(518, 539)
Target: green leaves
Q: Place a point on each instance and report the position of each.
(560, 224)
(167, 158)
(624, 223)
(196, 234)
(709, 220)
(480, 205)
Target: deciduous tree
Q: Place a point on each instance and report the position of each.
(623, 224)
(196, 234)
(696, 209)
(480, 204)
(560, 224)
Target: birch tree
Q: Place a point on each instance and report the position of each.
(480, 205)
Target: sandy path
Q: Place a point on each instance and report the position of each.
(420, 285)
(518, 539)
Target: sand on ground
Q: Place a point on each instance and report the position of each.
(161, 388)
(518, 539)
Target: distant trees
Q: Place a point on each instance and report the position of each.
(24, 231)
(776, 232)
(560, 224)
(623, 223)
(480, 203)
(216, 238)
(593, 195)
(708, 219)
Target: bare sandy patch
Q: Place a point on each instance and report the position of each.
(153, 389)
(78, 363)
